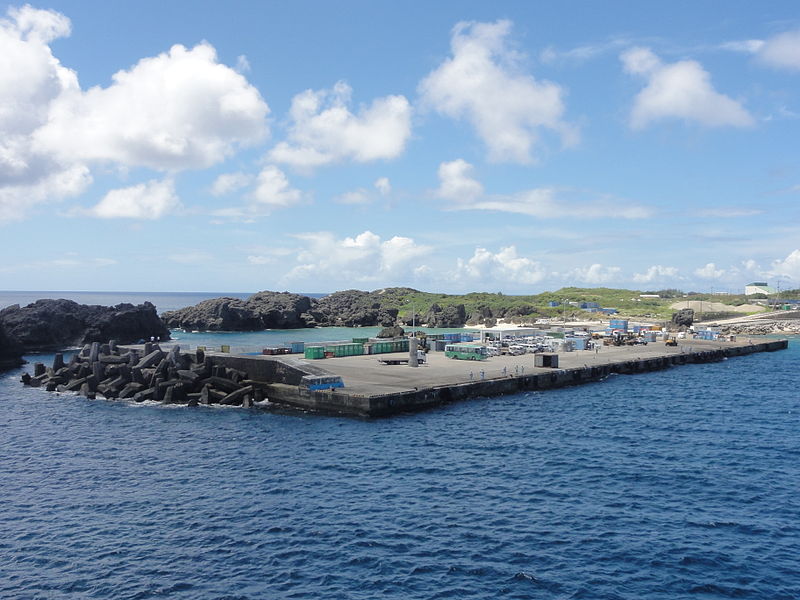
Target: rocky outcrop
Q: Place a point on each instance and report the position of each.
(449, 316)
(10, 351)
(683, 318)
(152, 374)
(52, 324)
(353, 308)
(264, 310)
(391, 332)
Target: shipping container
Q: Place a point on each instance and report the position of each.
(314, 352)
(618, 324)
(297, 347)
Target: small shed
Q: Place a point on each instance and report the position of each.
(546, 359)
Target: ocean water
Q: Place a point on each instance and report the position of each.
(682, 483)
(164, 301)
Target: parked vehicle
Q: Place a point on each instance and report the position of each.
(466, 352)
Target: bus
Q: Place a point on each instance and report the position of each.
(466, 352)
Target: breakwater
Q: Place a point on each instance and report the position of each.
(369, 389)
(145, 373)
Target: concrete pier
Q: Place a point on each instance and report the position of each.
(373, 389)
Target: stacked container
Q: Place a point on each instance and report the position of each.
(314, 352)
(340, 350)
(618, 324)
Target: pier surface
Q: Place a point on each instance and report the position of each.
(376, 389)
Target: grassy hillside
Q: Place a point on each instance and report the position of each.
(627, 302)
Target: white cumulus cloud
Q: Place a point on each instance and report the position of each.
(31, 79)
(456, 182)
(323, 131)
(383, 186)
(230, 182)
(781, 51)
(272, 189)
(151, 200)
(457, 185)
(679, 90)
(181, 109)
(710, 271)
(657, 273)
(788, 267)
(502, 267)
(594, 274)
(361, 195)
(482, 82)
(365, 257)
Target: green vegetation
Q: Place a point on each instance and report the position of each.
(495, 305)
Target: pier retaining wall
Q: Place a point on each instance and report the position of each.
(280, 381)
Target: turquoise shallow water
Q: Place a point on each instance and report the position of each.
(674, 484)
(257, 340)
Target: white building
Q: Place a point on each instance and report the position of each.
(759, 287)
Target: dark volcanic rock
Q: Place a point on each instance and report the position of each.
(264, 310)
(10, 351)
(449, 316)
(683, 318)
(353, 308)
(47, 324)
(391, 332)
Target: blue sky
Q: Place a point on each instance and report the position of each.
(446, 146)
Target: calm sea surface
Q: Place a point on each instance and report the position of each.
(682, 483)
(164, 301)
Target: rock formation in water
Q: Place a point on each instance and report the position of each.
(264, 310)
(52, 324)
(10, 351)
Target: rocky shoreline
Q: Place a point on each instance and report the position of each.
(57, 324)
(283, 310)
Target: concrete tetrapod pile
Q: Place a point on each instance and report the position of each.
(169, 377)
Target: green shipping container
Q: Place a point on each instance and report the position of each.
(360, 340)
(314, 352)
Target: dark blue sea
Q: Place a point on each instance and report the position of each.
(683, 483)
